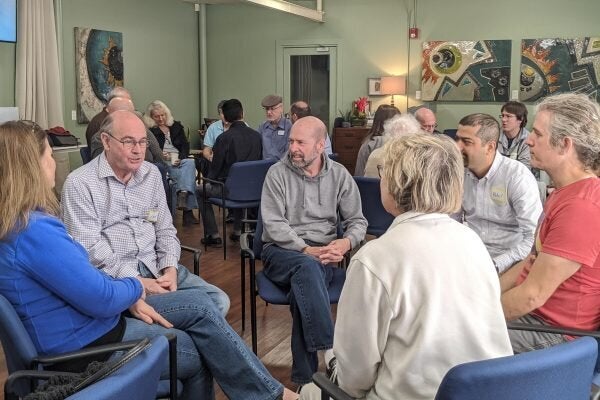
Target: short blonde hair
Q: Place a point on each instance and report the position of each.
(157, 105)
(424, 173)
(24, 184)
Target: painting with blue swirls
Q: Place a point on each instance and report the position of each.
(99, 64)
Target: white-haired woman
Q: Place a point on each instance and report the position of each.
(176, 148)
(398, 125)
(425, 295)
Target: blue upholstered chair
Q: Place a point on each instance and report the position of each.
(557, 373)
(21, 354)
(370, 196)
(251, 249)
(241, 190)
(86, 154)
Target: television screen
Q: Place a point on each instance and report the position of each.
(8, 20)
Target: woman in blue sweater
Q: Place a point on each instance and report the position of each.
(66, 304)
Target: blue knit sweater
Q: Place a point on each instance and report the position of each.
(64, 302)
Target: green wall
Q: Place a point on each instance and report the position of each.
(373, 37)
(7, 74)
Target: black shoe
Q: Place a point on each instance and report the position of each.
(189, 218)
(234, 237)
(211, 241)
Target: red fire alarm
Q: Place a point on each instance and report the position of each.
(413, 33)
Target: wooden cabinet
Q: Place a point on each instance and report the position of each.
(346, 143)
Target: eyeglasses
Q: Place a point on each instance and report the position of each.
(129, 143)
(429, 126)
(273, 107)
(507, 116)
(380, 170)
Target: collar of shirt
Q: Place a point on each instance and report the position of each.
(105, 170)
(498, 159)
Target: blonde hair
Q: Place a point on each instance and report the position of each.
(24, 185)
(424, 173)
(157, 105)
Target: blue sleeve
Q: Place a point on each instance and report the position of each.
(211, 134)
(60, 264)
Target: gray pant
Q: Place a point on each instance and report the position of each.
(524, 341)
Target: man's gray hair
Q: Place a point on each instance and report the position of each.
(401, 125)
(578, 117)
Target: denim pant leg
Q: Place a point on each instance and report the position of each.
(185, 176)
(208, 215)
(312, 326)
(187, 280)
(232, 364)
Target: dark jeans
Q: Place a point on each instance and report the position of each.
(312, 326)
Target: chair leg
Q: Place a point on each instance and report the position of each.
(243, 290)
(224, 214)
(253, 307)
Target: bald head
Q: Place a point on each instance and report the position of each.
(311, 126)
(120, 104)
(299, 109)
(427, 119)
(118, 91)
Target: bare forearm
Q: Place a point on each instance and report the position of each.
(508, 280)
(207, 153)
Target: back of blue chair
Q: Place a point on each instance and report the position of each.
(245, 180)
(136, 380)
(257, 243)
(86, 154)
(557, 373)
(370, 196)
(450, 132)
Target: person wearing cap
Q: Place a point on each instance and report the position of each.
(275, 130)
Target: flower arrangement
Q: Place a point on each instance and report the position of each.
(359, 107)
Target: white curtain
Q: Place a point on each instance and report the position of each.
(38, 85)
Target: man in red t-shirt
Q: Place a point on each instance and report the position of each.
(559, 283)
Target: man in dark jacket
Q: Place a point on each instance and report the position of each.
(238, 143)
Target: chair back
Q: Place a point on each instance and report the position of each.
(136, 380)
(556, 373)
(86, 154)
(257, 243)
(245, 180)
(19, 350)
(370, 196)
(450, 132)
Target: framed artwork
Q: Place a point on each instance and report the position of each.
(466, 71)
(98, 69)
(374, 86)
(550, 66)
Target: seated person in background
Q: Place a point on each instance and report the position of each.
(374, 139)
(176, 148)
(424, 296)
(398, 125)
(511, 143)
(275, 131)
(427, 119)
(66, 304)
(116, 209)
(302, 197)
(96, 121)
(558, 284)
(301, 109)
(501, 201)
(213, 132)
(238, 143)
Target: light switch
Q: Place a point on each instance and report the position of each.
(515, 95)
(73, 115)
(418, 95)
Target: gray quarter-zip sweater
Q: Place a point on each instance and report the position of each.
(297, 208)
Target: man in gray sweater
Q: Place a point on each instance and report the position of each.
(304, 198)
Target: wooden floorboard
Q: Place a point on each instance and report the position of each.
(274, 322)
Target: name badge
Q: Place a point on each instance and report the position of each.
(152, 215)
(280, 133)
(498, 195)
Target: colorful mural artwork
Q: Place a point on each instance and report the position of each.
(466, 71)
(550, 66)
(99, 68)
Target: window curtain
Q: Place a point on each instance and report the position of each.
(302, 78)
(38, 85)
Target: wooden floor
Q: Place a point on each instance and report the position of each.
(274, 322)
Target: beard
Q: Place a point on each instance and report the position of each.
(303, 161)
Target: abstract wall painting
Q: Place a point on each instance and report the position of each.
(466, 71)
(550, 66)
(99, 68)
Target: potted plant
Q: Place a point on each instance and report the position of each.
(359, 111)
(346, 117)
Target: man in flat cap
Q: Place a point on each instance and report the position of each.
(275, 131)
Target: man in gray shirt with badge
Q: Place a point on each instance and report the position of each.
(501, 202)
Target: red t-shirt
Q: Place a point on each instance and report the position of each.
(571, 230)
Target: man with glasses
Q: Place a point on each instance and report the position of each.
(511, 144)
(275, 131)
(116, 208)
(427, 119)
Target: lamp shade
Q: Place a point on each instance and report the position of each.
(393, 85)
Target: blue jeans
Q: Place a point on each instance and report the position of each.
(186, 280)
(312, 326)
(185, 177)
(207, 347)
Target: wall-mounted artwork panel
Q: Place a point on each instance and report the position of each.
(550, 66)
(466, 70)
(99, 68)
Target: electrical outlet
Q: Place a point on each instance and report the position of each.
(73, 115)
(418, 95)
(196, 7)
